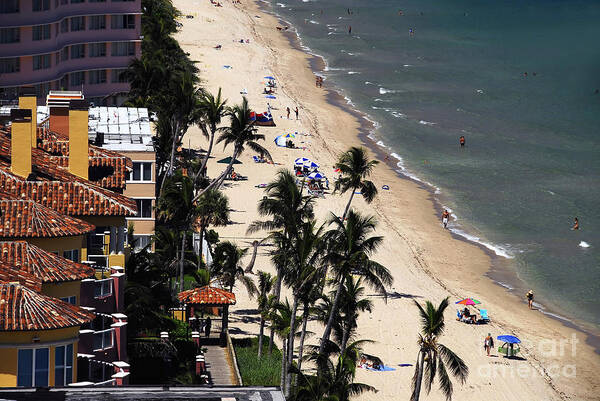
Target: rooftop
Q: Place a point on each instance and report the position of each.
(50, 268)
(207, 295)
(23, 309)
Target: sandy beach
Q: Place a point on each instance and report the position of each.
(426, 261)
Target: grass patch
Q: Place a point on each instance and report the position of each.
(267, 371)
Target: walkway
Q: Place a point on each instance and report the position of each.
(218, 365)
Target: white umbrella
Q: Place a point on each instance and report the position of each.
(311, 165)
(301, 161)
(316, 176)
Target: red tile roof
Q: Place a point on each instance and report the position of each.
(28, 219)
(50, 268)
(23, 309)
(8, 274)
(207, 295)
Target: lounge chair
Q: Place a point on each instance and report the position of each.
(484, 316)
(258, 159)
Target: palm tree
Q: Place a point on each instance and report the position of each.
(351, 304)
(241, 134)
(227, 266)
(212, 109)
(213, 209)
(355, 167)
(349, 251)
(332, 381)
(265, 303)
(433, 357)
(280, 321)
(287, 209)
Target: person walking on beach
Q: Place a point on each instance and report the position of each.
(488, 343)
(288, 113)
(445, 217)
(461, 140)
(576, 225)
(530, 299)
(296, 111)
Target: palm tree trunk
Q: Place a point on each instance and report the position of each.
(345, 335)
(417, 390)
(253, 259)
(181, 261)
(277, 293)
(208, 151)
(201, 239)
(172, 157)
(305, 315)
(334, 308)
(290, 358)
(217, 182)
(348, 205)
(283, 366)
(260, 336)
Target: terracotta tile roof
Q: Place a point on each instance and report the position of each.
(50, 268)
(57, 146)
(23, 309)
(8, 274)
(28, 219)
(207, 295)
(60, 190)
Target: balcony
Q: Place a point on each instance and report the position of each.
(27, 17)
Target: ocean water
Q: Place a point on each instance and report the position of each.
(532, 159)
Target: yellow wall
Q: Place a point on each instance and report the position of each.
(78, 143)
(9, 345)
(61, 244)
(30, 103)
(104, 221)
(63, 290)
(21, 148)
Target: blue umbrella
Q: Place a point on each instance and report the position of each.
(311, 165)
(270, 97)
(509, 339)
(316, 176)
(301, 161)
(269, 77)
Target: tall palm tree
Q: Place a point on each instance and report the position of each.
(355, 167)
(240, 133)
(287, 209)
(213, 209)
(434, 357)
(280, 321)
(227, 266)
(265, 303)
(349, 251)
(212, 110)
(351, 305)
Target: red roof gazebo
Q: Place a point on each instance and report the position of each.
(208, 296)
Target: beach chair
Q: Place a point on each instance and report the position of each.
(484, 316)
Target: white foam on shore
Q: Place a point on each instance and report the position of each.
(423, 122)
(507, 286)
(498, 250)
(584, 244)
(314, 22)
(369, 83)
(383, 90)
(354, 72)
(281, 5)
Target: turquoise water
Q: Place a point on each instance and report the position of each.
(532, 158)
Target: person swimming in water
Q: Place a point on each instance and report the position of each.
(411, 32)
(350, 30)
(576, 224)
(461, 140)
(445, 217)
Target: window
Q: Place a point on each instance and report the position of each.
(71, 300)
(77, 78)
(10, 35)
(122, 48)
(8, 65)
(122, 21)
(103, 288)
(64, 54)
(97, 77)
(64, 25)
(97, 22)
(63, 365)
(141, 241)
(57, 59)
(97, 49)
(40, 5)
(103, 339)
(9, 6)
(77, 24)
(33, 367)
(77, 51)
(117, 76)
(142, 171)
(71, 254)
(64, 83)
(40, 32)
(77, 1)
(144, 208)
(41, 62)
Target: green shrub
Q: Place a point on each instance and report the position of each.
(265, 372)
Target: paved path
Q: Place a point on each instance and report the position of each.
(218, 365)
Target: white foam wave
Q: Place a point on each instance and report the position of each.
(584, 244)
(281, 5)
(397, 114)
(348, 101)
(354, 72)
(498, 250)
(369, 83)
(480, 91)
(314, 22)
(507, 286)
(383, 90)
(381, 144)
(407, 65)
(426, 122)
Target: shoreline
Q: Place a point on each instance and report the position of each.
(367, 127)
(423, 258)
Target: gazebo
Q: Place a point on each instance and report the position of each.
(208, 296)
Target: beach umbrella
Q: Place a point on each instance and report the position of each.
(301, 161)
(270, 97)
(311, 165)
(316, 176)
(289, 136)
(227, 160)
(468, 301)
(281, 141)
(509, 339)
(269, 77)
